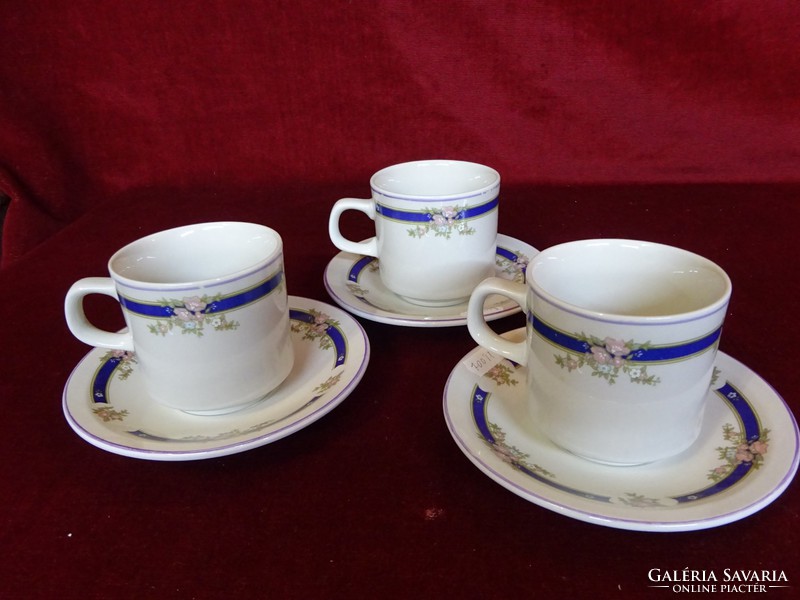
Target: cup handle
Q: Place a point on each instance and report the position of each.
(80, 326)
(481, 332)
(368, 247)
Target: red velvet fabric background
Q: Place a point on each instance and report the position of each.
(100, 99)
(675, 122)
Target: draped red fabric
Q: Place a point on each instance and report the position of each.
(99, 100)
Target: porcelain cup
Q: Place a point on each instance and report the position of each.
(207, 314)
(435, 228)
(620, 343)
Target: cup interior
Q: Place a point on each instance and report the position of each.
(195, 253)
(442, 178)
(628, 278)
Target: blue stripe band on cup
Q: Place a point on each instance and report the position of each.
(647, 354)
(160, 311)
(411, 216)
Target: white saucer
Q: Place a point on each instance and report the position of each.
(706, 486)
(106, 405)
(354, 284)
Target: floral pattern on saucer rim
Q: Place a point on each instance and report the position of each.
(105, 404)
(354, 284)
(746, 456)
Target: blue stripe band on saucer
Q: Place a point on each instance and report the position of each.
(479, 399)
(227, 303)
(752, 433)
(355, 271)
(101, 379)
(752, 430)
(334, 333)
(362, 263)
(410, 216)
(737, 402)
(734, 477)
(652, 354)
(507, 254)
(512, 257)
(106, 371)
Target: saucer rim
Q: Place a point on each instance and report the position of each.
(387, 318)
(541, 495)
(225, 449)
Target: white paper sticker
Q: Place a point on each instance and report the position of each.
(481, 361)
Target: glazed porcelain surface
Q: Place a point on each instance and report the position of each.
(744, 458)
(353, 282)
(106, 404)
(622, 337)
(206, 312)
(435, 228)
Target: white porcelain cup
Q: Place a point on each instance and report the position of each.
(206, 310)
(620, 345)
(435, 228)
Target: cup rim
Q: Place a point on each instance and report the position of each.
(224, 278)
(621, 318)
(376, 188)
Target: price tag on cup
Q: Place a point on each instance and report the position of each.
(481, 360)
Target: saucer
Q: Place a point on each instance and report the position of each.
(745, 457)
(354, 283)
(105, 403)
